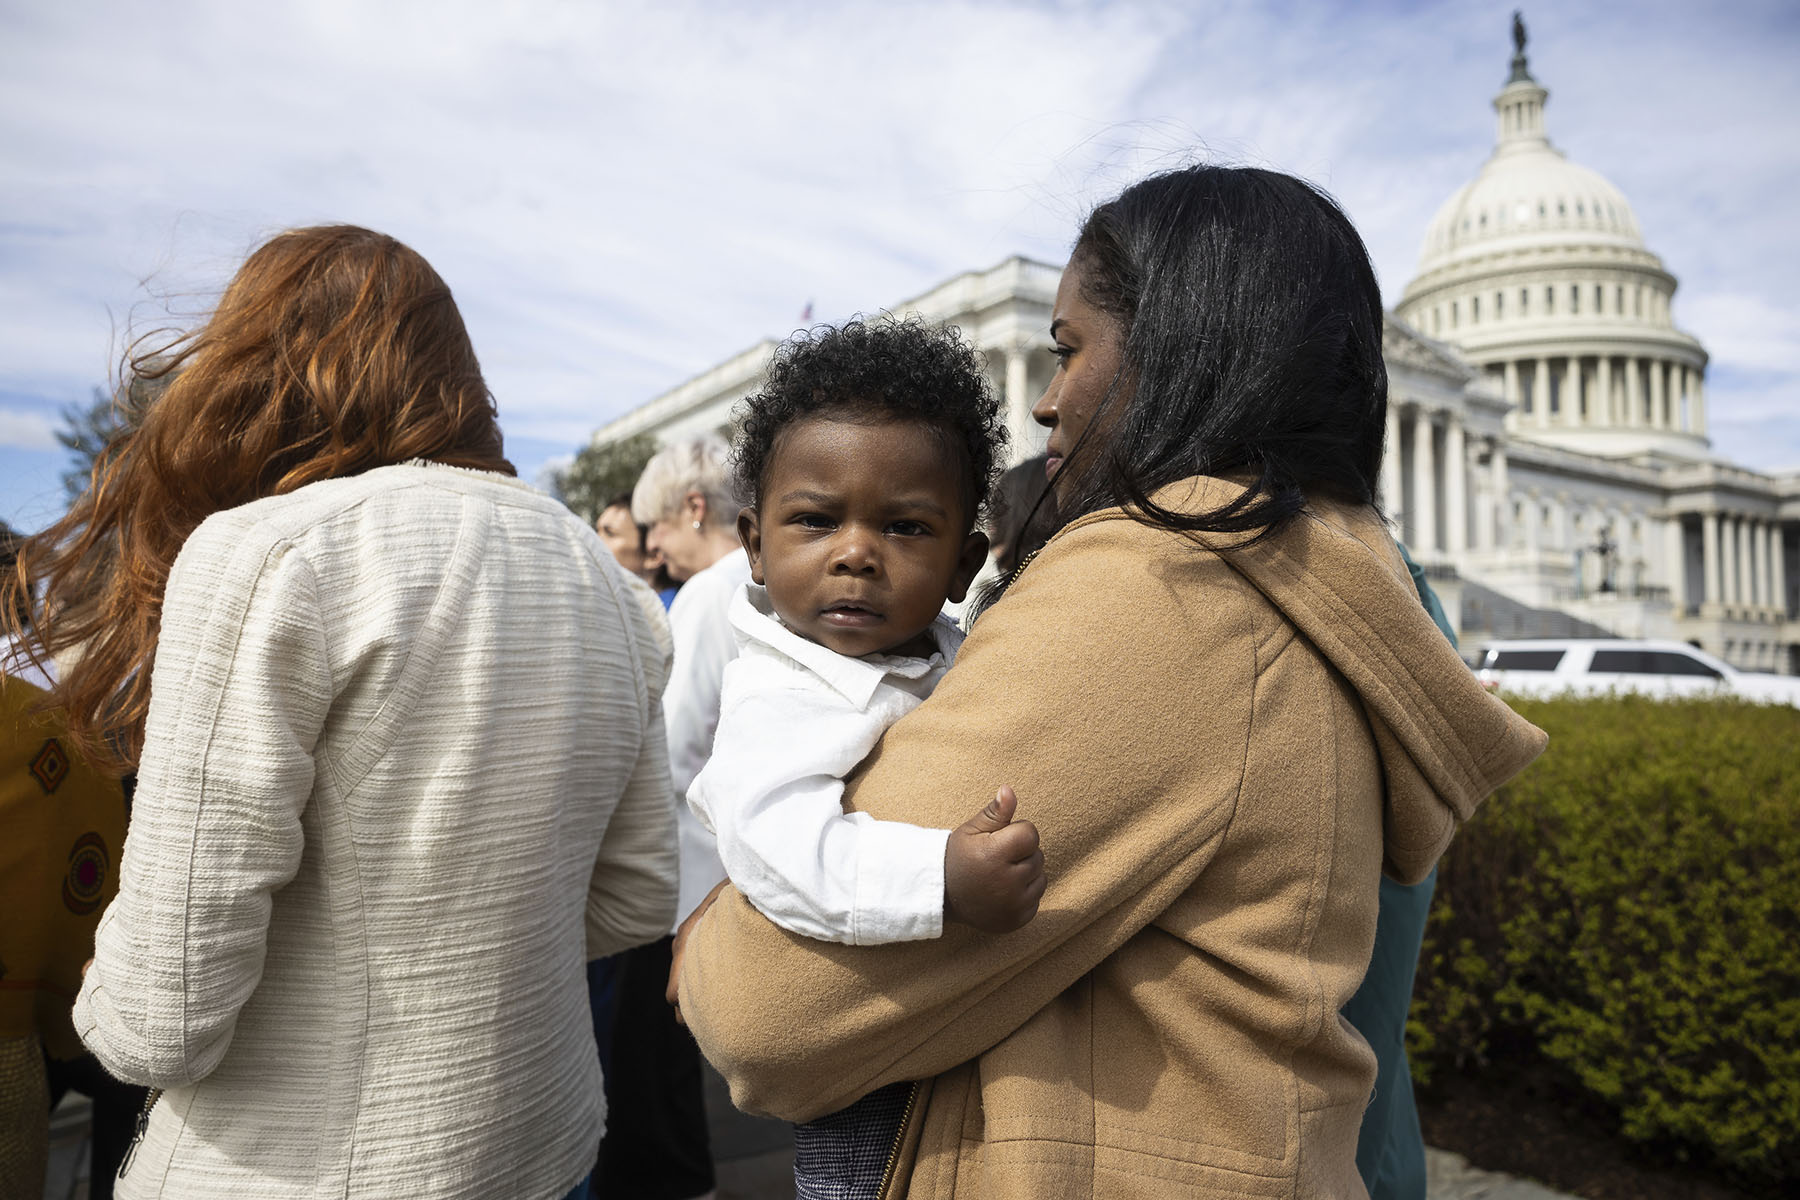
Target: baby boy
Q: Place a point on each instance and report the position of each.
(865, 458)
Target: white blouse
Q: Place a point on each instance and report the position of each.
(404, 774)
(704, 644)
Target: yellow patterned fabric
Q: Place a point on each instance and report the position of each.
(62, 824)
(24, 1118)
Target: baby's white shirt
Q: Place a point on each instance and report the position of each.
(794, 719)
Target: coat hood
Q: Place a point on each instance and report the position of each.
(1446, 743)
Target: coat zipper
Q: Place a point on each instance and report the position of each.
(139, 1130)
(893, 1158)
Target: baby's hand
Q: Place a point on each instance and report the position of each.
(993, 869)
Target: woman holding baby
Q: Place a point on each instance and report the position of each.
(1221, 704)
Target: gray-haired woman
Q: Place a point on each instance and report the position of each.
(657, 1142)
(684, 496)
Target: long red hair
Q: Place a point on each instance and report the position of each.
(333, 350)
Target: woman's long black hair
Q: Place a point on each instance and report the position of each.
(1252, 348)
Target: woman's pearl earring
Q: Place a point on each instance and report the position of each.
(696, 524)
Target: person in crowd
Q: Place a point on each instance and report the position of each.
(64, 822)
(1023, 514)
(625, 537)
(1020, 516)
(401, 769)
(629, 542)
(1390, 1148)
(65, 818)
(659, 1147)
(865, 458)
(1229, 713)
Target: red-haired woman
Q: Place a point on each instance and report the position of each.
(401, 766)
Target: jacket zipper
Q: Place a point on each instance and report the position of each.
(1020, 569)
(893, 1158)
(141, 1127)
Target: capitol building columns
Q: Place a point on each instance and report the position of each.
(1456, 490)
(1605, 392)
(1431, 489)
(1675, 562)
(1730, 578)
(1493, 510)
(1712, 577)
(1423, 508)
(1778, 572)
(1020, 427)
(1738, 604)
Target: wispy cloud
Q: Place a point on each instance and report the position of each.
(623, 194)
(27, 430)
(1748, 332)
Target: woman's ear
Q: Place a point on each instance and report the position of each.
(750, 533)
(968, 565)
(693, 508)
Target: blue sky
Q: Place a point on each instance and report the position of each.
(623, 194)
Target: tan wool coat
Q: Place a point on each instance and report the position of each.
(1222, 750)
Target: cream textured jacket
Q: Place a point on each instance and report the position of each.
(404, 774)
(1221, 750)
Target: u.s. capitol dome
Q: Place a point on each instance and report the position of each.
(1537, 271)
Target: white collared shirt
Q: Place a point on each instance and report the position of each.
(795, 718)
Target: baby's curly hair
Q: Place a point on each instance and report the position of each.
(870, 370)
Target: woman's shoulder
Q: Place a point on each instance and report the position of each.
(711, 589)
(407, 501)
(417, 480)
(1334, 528)
(1115, 570)
(1121, 555)
(726, 575)
(1128, 592)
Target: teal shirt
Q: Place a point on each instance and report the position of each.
(1390, 1151)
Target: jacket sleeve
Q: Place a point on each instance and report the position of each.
(1111, 687)
(239, 693)
(631, 894)
(772, 793)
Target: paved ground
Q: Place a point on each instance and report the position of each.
(1450, 1177)
(756, 1162)
(754, 1157)
(67, 1177)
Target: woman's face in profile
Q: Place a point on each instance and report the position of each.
(677, 540)
(620, 533)
(1088, 347)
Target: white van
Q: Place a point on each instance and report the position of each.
(1588, 666)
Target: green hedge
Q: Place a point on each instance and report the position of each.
(1631, 907)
